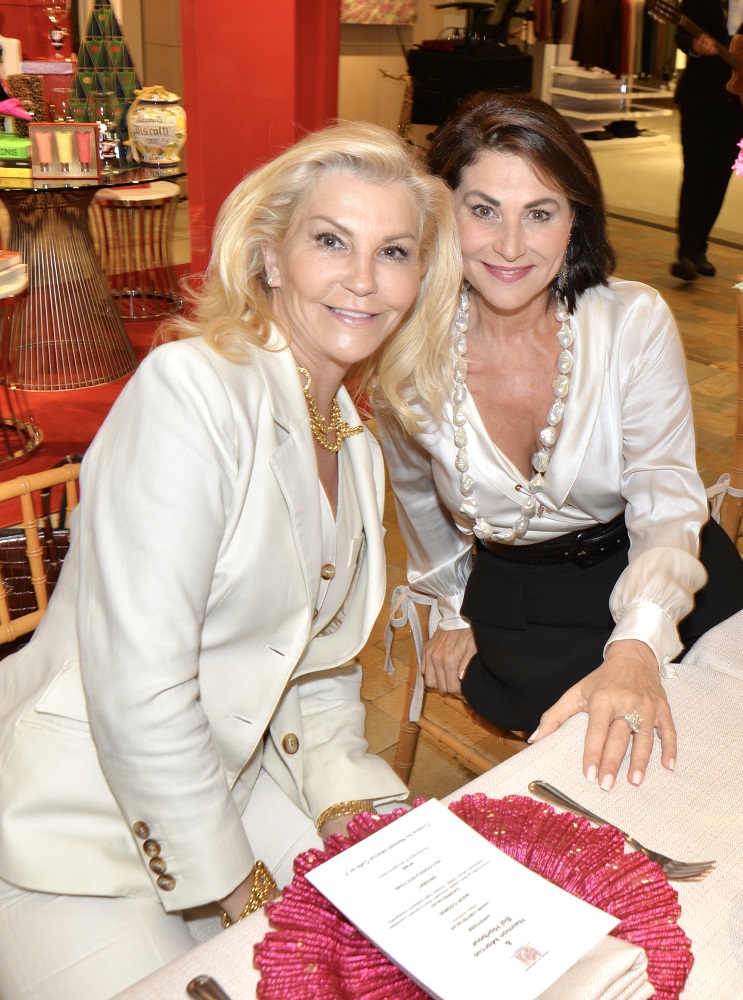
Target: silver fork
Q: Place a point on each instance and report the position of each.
(672, 868)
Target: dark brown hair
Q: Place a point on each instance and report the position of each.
(528, 128)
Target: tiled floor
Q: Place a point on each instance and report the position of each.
(705, 311)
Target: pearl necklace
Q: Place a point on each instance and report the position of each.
(322, 427)
(547, 437)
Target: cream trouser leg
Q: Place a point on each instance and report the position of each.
(60, 947)
(90, 948)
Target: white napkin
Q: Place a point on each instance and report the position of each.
(612, 970)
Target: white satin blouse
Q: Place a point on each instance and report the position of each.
(626, 443)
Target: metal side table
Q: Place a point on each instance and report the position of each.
(69, 332)
(133, 231)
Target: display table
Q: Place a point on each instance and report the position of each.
(69, 333)
(133, 230)
(694, 813)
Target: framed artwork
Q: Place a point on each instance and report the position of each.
(378, 11)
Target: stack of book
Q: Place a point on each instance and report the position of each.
(12, 272)
(15, 161)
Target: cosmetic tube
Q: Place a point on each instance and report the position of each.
(44, 150)
(83, 150)
(64, 150)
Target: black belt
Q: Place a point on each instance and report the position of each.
(583, 548)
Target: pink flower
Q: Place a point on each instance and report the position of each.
(738, 165)
(12, 108)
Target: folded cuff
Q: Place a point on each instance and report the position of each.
(651, 625)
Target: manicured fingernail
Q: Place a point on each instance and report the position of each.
(636, 778)
(672, 764)
(608, 783)
(591, 773)
(533, 735)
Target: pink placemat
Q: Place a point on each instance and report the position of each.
(313, 951)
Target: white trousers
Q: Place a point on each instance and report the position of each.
(91, 948)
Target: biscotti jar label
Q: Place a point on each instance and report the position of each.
(157, 126)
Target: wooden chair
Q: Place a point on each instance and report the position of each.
(731, 512)
(31, 554)
(419, 704)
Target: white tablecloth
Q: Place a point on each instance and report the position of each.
(694, 813)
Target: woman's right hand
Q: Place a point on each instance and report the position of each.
(446, 656)
(234, 904)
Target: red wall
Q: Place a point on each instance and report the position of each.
(28, 21)
(256, 77)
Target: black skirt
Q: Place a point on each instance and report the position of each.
(541, 629)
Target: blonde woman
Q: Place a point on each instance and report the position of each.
(188, 718)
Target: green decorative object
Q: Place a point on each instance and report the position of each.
(104, 63)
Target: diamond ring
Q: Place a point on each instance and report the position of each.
(634, 721)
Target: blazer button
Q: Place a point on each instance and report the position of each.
(151, 848)
(166, 883)
(141, 829)
(158, 866)
(290, 743)
(328, 571)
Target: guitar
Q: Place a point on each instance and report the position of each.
(663, 11)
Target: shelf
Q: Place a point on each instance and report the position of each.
(597, 95)
(608, 95)
(584, 74)
(589, 95)
(633, 111)
(637, 142)
(652, 93)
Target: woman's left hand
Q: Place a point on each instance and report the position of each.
(337, 825)
(627, 681)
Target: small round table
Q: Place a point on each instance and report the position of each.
(69, 332)
(133, 231)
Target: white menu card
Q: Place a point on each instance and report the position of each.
(458, 915)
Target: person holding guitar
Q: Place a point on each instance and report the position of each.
(709, 97)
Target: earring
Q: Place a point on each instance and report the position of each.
(563, 273)
(269, 279)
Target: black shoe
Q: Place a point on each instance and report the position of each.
(705, 266)
(684, 269)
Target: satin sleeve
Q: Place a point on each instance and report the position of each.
(439, 551)
(666, 506)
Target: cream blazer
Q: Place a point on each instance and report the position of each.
(176, 659)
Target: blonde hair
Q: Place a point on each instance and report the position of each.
(232, 309)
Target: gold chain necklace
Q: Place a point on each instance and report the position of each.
(323, 426)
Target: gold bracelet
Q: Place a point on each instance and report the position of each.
(263, 884)
(350, 808)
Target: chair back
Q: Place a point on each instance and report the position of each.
(31, 552)
(447, 719)
(731, 513)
